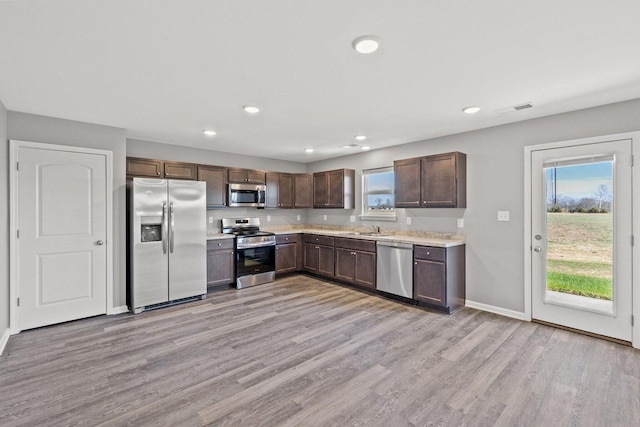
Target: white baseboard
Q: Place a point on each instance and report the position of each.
(119, 310)
(496, 310)
(4, 340)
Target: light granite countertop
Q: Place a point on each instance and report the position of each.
(423, 238)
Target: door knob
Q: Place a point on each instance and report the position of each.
(537, 249)
(99, 243)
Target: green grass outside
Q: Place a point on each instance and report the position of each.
(579, 257)
(593, 287)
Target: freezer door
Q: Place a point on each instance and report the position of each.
(187, 239)
(148, 245)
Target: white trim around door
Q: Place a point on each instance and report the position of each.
(528, 244)
(15, 145)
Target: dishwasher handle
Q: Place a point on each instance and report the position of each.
(395, 244)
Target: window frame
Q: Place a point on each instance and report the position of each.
(366, 214)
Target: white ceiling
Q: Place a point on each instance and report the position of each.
(167, 69)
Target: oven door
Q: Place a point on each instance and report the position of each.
(255, 260)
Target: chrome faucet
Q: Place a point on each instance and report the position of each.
(376, 230)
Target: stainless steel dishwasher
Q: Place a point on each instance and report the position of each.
(395, 268)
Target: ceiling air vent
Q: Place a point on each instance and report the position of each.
(518, 107)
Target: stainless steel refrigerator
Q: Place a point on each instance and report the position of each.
(167, 241)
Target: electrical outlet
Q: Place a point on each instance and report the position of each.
(298, 217)
(408, 220)
(325, 217)
(210, 220)
(460, 222)
(352, 218)
(268, 218)
(503, 216)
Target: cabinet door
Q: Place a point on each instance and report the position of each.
(407, 183)
(303, 190)
(345, 264)
(285, 190)
(286, 258)
(255, 177)
(236, 175)
(220, 269)
(175, 170)
(336, 189)
(429, 282)
(326, 261)
(273, 190)
(365, 269)
(144, 167)
(310, 262)
(215, 179)
(444, 181)
(320, 190)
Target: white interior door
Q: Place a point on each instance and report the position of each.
(61, 244)
(581, 234)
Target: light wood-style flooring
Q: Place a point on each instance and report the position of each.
(305, 352)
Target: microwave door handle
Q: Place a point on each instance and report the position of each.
(164, 228)
(171, 233)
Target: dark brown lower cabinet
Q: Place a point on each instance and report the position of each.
(288, 253)
(356, 262)
(220, 262)
(318, 255)
(439, 277)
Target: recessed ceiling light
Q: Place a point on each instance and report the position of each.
(251, 109)
(471, 109)
(209, 132)
(366, 44)
(365, 147)
(308, 150)
(360, 137)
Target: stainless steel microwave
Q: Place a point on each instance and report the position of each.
(247, 195)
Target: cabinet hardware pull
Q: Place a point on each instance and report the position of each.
(416, 263)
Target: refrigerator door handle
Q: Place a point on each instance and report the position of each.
(164, 228)
(171, 233)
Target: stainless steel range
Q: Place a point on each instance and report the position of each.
(255, 251)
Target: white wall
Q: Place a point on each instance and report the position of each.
(495, 181)
(49, 130)
(155, 150)
(4, 223)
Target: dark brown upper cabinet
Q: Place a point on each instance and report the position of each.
(438, 181)
(334, 189)
(249, 176)
(216, 179)
(302, 190)
(160, 169)
(279, 190)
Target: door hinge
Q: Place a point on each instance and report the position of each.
(632, 159)
(17, 234)
(18, 302)
(633, 240)
(632, 320)
(17, 166)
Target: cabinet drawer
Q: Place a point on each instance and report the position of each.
(319, 240)
(430, 253)
(356, 244)
(287, 238)
(216, 244)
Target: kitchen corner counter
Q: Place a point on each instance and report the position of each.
(219, 236)
(442, 240)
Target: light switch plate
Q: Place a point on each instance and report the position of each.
(503, 216)
(460, 222)
(268, 218)
(408, 220)
(210, 220)
(325, 217)
(298, 217)
(352, 218)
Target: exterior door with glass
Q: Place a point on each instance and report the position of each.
(581, 234)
